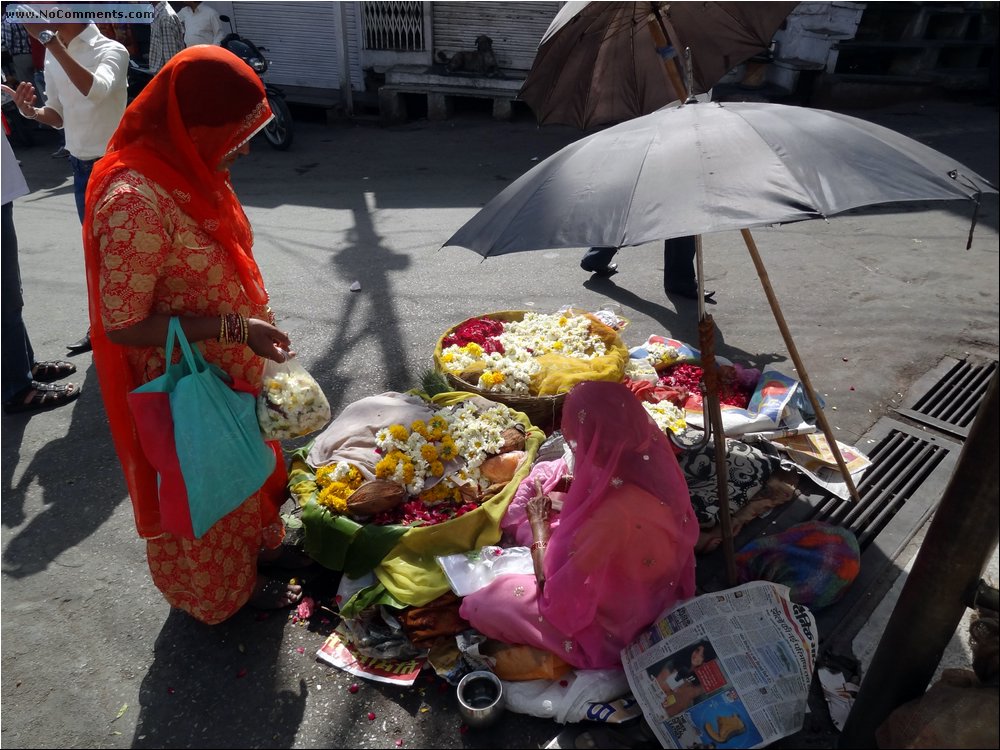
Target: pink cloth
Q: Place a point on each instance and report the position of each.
(623, 550)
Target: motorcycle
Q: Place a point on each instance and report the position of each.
(279, 130)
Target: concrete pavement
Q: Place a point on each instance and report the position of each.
(93, 657)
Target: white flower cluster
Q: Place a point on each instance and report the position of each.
(291, 404)
(508, 373)
(640, 369)
(559, 334)
(661, 355)
(414, 478)
(478, 434)
(667, 416)
(458, 359)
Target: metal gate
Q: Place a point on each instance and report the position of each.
(305, 41)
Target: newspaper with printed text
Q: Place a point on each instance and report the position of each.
(729, 669)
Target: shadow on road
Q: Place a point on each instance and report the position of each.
(79, 478)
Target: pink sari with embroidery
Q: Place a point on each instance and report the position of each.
(623, 550)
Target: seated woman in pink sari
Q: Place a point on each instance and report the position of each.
(623, 549)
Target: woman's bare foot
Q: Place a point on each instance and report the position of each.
(274, 593)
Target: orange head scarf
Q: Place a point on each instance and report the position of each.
(203, 104)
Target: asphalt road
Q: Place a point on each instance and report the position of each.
(92, 657)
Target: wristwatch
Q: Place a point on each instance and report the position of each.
(46, 36)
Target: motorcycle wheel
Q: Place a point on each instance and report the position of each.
(279, 131)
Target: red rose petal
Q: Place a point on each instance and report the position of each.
(563, 683)
(371, 716)
(399, 743)
(353, 688)
(170, 691)
(300, 650)
(241, 673)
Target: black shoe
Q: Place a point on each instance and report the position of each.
(609, 270)
(81, 346)
(61, 153)
(692, 293)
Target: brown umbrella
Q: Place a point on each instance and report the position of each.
(604, 62)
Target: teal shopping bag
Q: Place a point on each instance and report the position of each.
(199, 430)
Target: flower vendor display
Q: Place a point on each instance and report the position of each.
(676, 366)
(531, 354)
(529, 360)
(397, 479)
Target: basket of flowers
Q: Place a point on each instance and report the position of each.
(397, 479)
(529, 360)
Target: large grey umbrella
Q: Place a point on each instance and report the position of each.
(701, 168)
(709, 167)
(605, 62)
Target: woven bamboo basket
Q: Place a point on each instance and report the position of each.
(545, 412)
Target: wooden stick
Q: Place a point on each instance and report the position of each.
(658, 31)
(712, 411)
(800, 368)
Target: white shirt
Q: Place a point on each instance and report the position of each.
(12, 178)
(89, 121)
(202, 25)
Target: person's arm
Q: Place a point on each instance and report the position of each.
(131, 279)
(264, 339)
(24, 100)
(217, 31)
(112, 69)
(78, 75)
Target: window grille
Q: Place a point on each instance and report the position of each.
(393, 26)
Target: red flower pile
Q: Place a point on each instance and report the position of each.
(732, 391)
(416, 513)
(482, 331)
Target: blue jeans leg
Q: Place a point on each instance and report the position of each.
(16, 351)
(81, 176)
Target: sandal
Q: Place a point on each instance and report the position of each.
(42, 396)
(274, 593)
(50, 372)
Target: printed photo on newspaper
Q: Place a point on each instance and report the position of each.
(730, 669)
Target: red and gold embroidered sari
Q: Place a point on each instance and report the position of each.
(165, 234)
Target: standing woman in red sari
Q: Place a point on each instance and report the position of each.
(164, 236)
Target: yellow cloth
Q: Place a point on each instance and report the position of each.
(409, 571)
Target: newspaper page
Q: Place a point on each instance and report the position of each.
(730, 669)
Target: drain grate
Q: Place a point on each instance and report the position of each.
(910, 470)
(901, 463)
(948, 397)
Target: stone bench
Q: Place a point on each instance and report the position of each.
(440, 100)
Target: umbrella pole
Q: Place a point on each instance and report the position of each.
(799, 367)
(659, 33)
(712, 407)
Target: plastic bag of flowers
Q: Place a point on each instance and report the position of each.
(291, 403)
